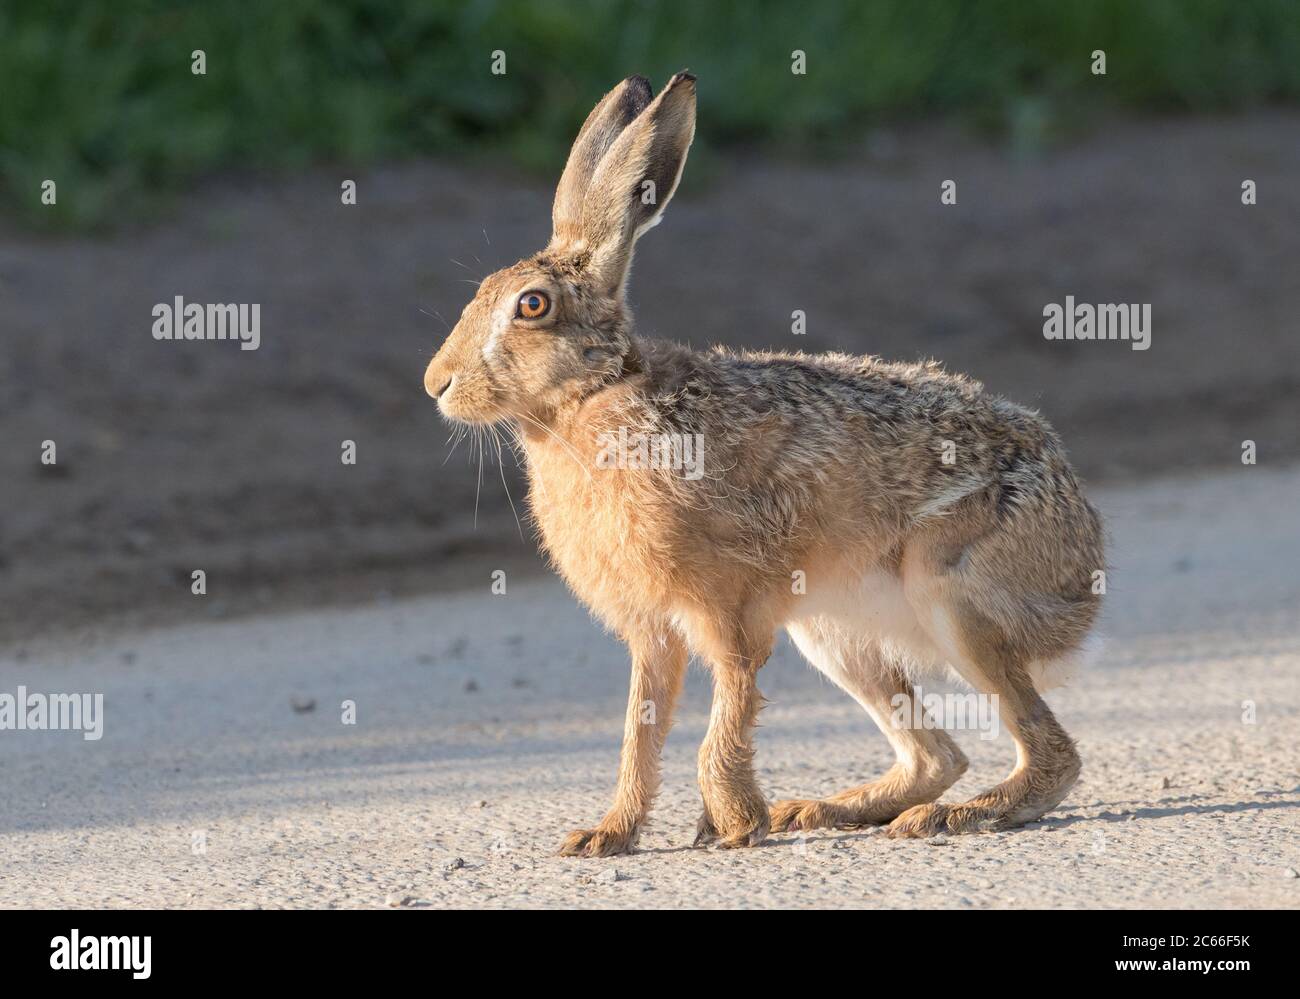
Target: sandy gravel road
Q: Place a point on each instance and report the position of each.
(488, 726)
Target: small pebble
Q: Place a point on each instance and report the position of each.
(453, 865)
(1290, 872)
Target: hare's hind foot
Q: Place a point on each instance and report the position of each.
(875, 803)
(1049, 766)
(599, 842)
(1023, 797)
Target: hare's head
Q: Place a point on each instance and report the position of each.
(555, 326)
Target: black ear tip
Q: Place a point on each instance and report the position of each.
(685, 76)
(639, 86)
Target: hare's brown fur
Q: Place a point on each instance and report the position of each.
(928, 522)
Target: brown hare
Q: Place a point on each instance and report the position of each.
(891, 517)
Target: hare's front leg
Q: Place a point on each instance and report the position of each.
(735, 811)
(658, 666)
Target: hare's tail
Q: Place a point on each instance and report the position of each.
(1048, 674)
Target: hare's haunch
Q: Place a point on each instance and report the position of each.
(893, 518)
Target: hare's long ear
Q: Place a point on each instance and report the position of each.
(635, 181)
(614, 112)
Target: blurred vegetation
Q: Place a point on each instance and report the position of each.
(100, 97)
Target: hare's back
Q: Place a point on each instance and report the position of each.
(890, 404)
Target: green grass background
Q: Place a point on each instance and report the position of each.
(99, 95)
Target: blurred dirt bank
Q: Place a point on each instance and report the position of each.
(176, 456)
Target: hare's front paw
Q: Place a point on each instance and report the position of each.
(745, 824)
(603, 841)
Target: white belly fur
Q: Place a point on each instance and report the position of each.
(841, 623)
(838, 629)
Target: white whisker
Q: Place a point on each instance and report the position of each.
(478, 440)
(501, 464)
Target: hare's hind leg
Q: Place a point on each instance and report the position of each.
(928, 761)
(999, 658)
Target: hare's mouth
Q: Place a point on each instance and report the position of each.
(466, 411)
(462, 420)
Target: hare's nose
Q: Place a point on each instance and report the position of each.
(440, 373)
(437, 379)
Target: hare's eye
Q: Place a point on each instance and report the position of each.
(533, 305)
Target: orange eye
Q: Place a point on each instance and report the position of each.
(533, 305)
